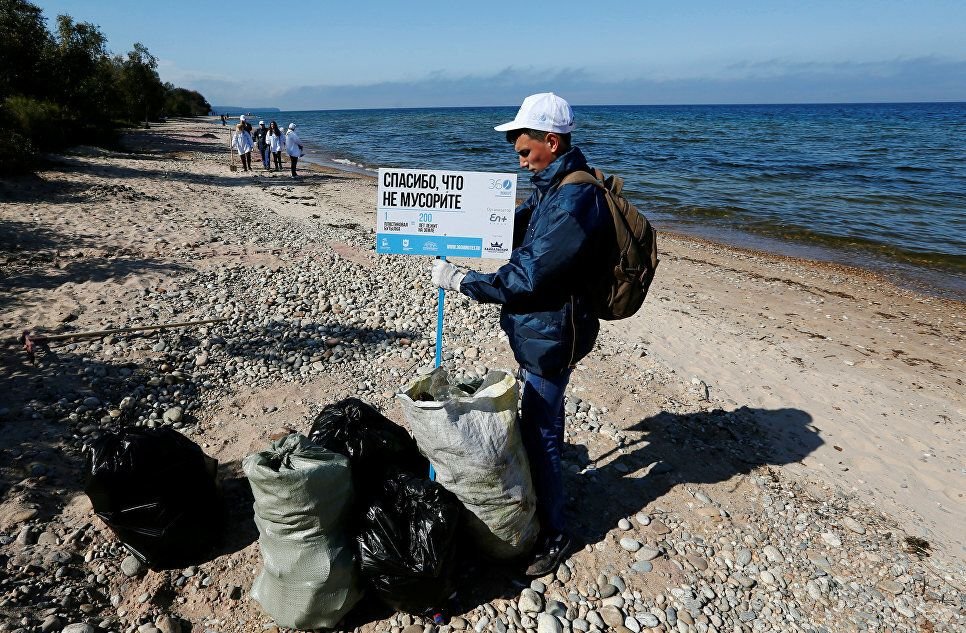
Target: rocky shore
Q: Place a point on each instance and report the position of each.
(771, 445)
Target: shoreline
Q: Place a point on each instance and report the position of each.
(755, 400)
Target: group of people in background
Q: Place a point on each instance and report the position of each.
(270, 143)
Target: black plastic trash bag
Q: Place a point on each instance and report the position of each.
(158, 491)
(375, 445)
(408, 543)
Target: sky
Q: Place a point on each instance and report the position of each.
(319, 54)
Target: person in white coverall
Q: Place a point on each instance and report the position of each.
(293, 145)
(241, 141)
(276, 141)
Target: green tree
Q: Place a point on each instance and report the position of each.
(24, 46)
(184, 102)
(86, 80)
(140, 84)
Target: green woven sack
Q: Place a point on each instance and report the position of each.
(303, 494)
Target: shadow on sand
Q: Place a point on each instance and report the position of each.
(672, 450)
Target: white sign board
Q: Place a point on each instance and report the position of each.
(445, 213)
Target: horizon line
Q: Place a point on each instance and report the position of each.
(622, 105)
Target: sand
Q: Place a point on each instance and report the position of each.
(858, 383)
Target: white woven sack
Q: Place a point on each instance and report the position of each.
(309, 578)
(475, 446)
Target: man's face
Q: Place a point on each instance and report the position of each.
(534, 155)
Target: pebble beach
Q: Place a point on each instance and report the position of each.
(770, 444)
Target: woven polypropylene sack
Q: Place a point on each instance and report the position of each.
(473, 442)
(303, 497)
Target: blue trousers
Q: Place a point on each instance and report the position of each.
(266, 156)
(542, 427)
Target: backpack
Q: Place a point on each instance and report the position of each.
(633, 256)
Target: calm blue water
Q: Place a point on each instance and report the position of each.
(881, 186)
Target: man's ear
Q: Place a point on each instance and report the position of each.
(553, 141)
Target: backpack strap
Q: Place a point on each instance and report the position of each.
(583, 178)
(613, 184)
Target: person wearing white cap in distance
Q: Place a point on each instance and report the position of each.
(261, 142)
(293, 145)
(245, 123)
(546, 295)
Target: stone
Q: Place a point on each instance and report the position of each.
(607, 591)
(167, 624)
(50, 623)
(563, 574)
(530, 601)
(649, 620)
(831, 539)
(201, 359)
(658, 527)
(813, 589)
(647, 553)
(556, 608)
(853, 525)
(819, 561)
(624, 524)
(632, 624)
(131, 566)
(744, 557)
(173, 415)
(698, 562)
(642, 567)
(890, 586)
(618, 582)
(772, 554)
(595, 620)
(547, 623)
(744, 581)
(767, 577)
(15, 513)
(629, 544)
(612, 616)
(78, 627)
(148, 628)
(643, 519)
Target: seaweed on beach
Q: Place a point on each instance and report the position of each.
(918, 546)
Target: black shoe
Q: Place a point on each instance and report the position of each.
(548, 556)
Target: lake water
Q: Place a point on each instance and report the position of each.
(880, 186)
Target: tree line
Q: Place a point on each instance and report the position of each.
(62, 86)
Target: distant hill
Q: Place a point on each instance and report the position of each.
(220, 109)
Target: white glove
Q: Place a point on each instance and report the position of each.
(447, 276)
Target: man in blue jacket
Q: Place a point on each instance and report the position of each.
(546, 295)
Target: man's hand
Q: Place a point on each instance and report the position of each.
(447, 276)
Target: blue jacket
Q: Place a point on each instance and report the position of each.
(545, 287)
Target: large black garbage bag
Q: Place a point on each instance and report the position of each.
(408, 543)
(374, 444)
(158, 491)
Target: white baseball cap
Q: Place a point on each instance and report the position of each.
(241, 118)
(545, 112)
(291, 126)
(261, 122)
